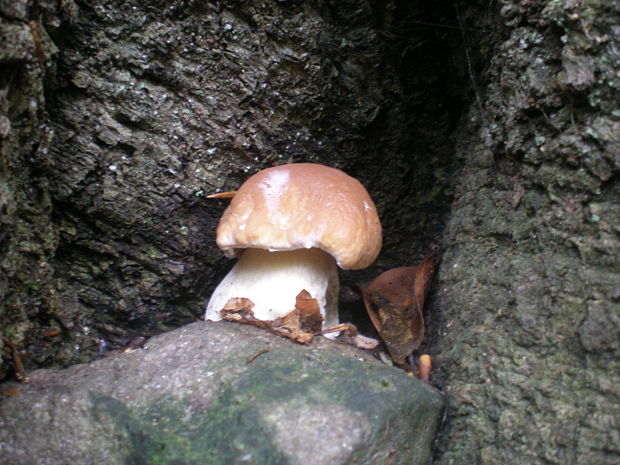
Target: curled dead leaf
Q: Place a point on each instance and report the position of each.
(390, 303)
(394, 302)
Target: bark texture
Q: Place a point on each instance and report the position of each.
(527, 309)
(28, 238)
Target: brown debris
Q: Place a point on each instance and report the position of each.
(53, 333)
(11, 392)
(238, 308)
(301, 324)
(352, 336)
(394, 302)
(18, 364)
(255, 355)
(222, 195)
(135, 343)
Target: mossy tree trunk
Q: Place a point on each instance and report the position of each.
(526, 315)
(489, 129)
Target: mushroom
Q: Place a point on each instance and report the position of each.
(291, 226)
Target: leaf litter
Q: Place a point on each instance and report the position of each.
(300, 324)
(394, 302)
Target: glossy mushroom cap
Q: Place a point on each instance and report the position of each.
(300, 206)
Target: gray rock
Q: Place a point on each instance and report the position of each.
(221, 393)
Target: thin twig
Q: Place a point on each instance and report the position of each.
(253, 357)
(18, 364)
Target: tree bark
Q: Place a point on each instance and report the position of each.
(526, 315)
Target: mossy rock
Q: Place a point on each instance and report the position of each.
(202, 395)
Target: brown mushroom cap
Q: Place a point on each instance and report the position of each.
(300, 206)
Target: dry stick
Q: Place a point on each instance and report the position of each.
(253, 357)
(222, 195)
(20, 372)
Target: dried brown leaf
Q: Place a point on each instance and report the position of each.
(56, 332)
(423, 278)
(239, 310)
(389, 300)
(300, 324)
(310, 319)
(394, 302)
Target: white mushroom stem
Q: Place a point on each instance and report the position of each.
(272, 280)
